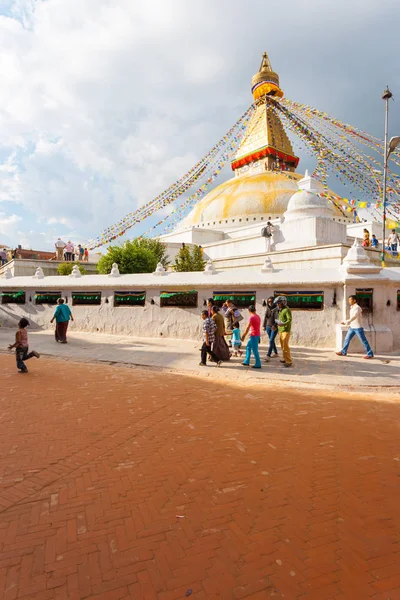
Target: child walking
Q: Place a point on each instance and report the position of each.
(21, 346)
(236, 341)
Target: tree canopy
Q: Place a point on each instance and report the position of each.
(139, 255)
(189, 259)
(65, 268)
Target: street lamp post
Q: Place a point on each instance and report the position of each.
(389, 148)
(387, 94)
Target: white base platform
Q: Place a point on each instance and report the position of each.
(380, 338)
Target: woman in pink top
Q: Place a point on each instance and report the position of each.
(252, 345)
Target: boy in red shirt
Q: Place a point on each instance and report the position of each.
(252, 345)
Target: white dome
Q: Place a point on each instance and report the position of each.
(306, 203)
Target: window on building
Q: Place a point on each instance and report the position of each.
(240, 299)
(365, 299)
(13, 297)
(79, 298)
(182, 299)
(129, 298)
(303, 300)
(47, 297)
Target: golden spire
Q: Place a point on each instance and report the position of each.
(266, 81)
(265, 144)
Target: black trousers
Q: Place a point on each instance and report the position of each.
(207, 350)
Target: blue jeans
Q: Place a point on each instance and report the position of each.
(21, 354)
(271, 333)
(252, 347)
(361, 335)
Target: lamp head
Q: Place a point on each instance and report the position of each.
(394, 142)
(387, 94)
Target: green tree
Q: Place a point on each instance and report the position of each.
(189, 259)
(198, 263)
(65, 268)
(134, 256)
(157, 247)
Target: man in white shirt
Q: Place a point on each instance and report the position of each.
(60, 245)
(393, 241)
(355, 328)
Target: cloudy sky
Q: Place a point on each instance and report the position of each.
(104, 103)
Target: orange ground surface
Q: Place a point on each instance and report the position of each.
(120, 483)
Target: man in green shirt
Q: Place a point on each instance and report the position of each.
(284, 322)
(62, 316)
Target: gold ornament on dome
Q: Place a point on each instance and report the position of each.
(266, 81)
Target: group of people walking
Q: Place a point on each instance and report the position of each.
(392, 243)
(277, 319)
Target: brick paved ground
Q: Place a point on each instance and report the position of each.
(284, 495)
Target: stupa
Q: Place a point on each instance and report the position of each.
(228, 221)
(264, 167)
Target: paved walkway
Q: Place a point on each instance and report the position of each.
(321, 368)
(128, 484)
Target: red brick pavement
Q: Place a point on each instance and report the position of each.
(284, 494)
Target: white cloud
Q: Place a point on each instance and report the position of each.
(103, 104)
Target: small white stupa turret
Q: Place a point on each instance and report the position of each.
(76, 272)
(39, 273)
(306, 202)
(8, 273)
(209, 268)
(114, 271)
(267, 266)
(160, 270)
(309, 218)
(358, 261)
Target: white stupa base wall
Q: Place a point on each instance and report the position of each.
(311, 231)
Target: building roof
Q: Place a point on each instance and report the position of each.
(228, 279)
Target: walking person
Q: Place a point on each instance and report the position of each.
(366, 242)
(81, 252)
(220, 346)
(21, 346)
(268, 232)
(393, 241)
(86, 255)
(60, 246)
(271, 328)
(3, 257)
(355, 328)
(231, 315)
(236, 340)
(62, 317)
(69, 248)
(254, 326)
(210, 304)
(284, 322)
(209, 328)
(374, 241)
